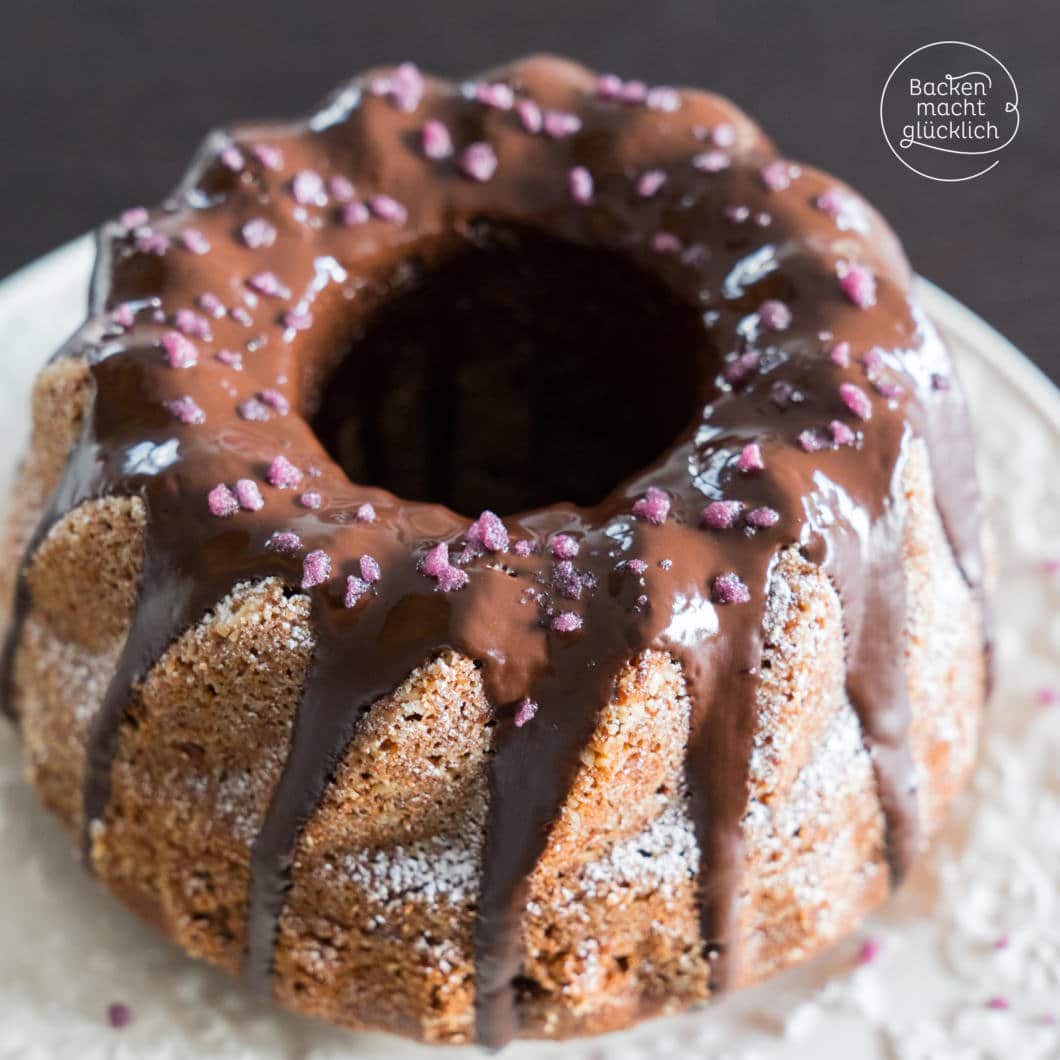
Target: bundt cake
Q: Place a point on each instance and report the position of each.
(500, 558)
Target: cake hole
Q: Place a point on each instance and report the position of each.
(516, 372)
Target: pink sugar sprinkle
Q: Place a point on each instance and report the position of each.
(316, 568)
(195, 241)
(275, 400)
(858, 284)
(1048, 696)
(527, 710)
(742, 367)
(873, 361)
(479, 162)
(341, 188)
(836, 203)
(722, 515)
(855, 399)
(637, 566)
(436, 560)
(728, 588)
(253, 410)
(1051, 565)
(388, 209)
(222, 501)
(813, 440)
(567, 622)
(180, 353)
(869, 951)
(662, 98)
(371, 572)
(365, 513)
(307, 188)
(452, 580)
(998, 1003)
(665, 243)
(891, 391)
(311, 499)
(435, 564)
(778, 175)
(268, 284)
(249, 495)
(232, 358)
(524, 548)
(134, 217)
(530, 116)
(654, 506)
(257, 233)
(298, 319)
(761, 518)
(609, 86)
(650, 182)
(696, 254)
(750, 459)
(186, 409)
(488, 532)
(124, 315)
(563, 546)
(268, 155)
(495, 94)
(841, 434)
(209, 303)
(839, 354)
(119, 1015)
(355, 213)
(406, 87)
(148, 242)
(355, 589)
(567, 580)
(633, 92)
(774, 315)
(192, 324)
(559, 124)
(284, 541)
(437, 143)
(283, 474)
(580, 184)
(724, 134)
(232, 158)
(712, 161)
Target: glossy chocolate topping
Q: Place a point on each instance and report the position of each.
(219, 322)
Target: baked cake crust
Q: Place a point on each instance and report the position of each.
(544, 775)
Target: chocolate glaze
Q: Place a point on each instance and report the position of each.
(842, 505)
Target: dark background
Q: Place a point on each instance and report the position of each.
(103, 101)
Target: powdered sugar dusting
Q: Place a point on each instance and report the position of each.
(664, 855)
(436, 869)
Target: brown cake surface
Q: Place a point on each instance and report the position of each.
(673, 712)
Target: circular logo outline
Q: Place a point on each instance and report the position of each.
(1010, 108)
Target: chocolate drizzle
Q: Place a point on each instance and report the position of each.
(842, 504)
